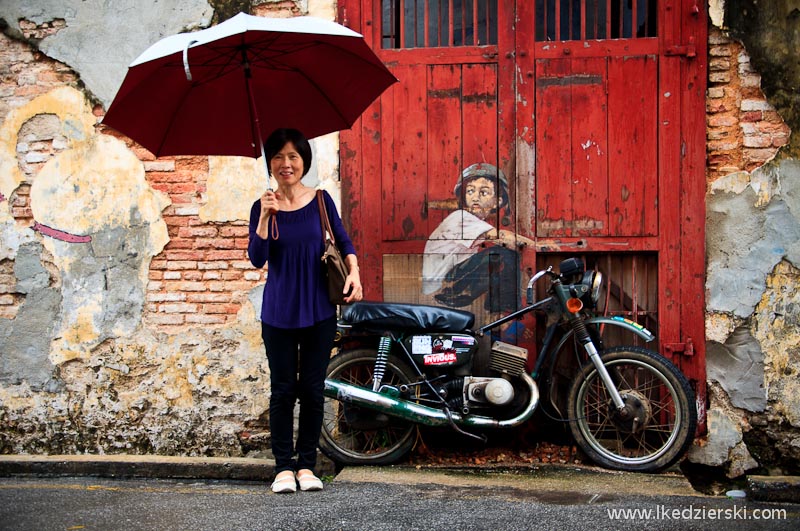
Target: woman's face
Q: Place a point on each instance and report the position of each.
(480, 197)
(287, 165)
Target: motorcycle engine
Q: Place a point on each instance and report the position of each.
(494, 391)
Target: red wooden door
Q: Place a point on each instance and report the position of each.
(402, 165)
(592, 113)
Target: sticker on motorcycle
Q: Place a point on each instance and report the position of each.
(632, 323)
(421, 345)
(443, 358)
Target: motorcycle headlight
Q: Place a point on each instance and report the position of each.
(597, 283)
(593, 281)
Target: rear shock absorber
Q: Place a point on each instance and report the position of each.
(384, 346)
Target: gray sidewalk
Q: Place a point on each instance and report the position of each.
(544, 478)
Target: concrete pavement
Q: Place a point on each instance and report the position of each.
(574, 479)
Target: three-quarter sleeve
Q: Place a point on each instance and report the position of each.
(257, 247)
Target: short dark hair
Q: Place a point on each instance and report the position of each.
(280, 137)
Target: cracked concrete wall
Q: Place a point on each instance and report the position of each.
(87, 224)
(753, 240)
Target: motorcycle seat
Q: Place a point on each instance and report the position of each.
(380, 316)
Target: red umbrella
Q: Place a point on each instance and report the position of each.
(221, 90)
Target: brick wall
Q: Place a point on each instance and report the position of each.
(203, 276)
(744, 130)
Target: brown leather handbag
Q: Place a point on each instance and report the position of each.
(332, 260)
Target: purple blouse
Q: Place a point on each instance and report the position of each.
(295, 294)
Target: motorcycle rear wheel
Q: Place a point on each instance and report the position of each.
(662, 419)
(378, 439)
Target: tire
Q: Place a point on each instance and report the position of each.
(655, 390)
(353, 435)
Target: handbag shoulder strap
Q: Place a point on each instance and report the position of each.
(323, 218)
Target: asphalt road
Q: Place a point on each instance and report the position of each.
(383, 500)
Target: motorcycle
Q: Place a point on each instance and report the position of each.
(403, 365)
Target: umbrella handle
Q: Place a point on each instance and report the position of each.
(186, 60)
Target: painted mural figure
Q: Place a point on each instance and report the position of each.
(466, 256)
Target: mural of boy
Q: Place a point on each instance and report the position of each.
(466, 257)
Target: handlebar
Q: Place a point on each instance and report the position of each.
(529, 291)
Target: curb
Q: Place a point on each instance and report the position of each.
(138, 466)
(774, 488)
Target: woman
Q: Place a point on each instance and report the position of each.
(298, 322)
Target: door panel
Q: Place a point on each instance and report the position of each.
(633, 146)
(444, 115)
(596, 166)
(405, 172)
(571, 161)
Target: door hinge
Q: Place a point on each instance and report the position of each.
(687, 50)
(685, 349)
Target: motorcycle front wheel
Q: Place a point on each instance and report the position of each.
(354, 435)
(659, 420)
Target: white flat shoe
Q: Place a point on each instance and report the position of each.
(308, 481)
(284, 482)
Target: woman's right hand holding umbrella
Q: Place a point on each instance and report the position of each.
(269, 207)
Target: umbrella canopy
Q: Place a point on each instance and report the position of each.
(221, 90)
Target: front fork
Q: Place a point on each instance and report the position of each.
(582, 334)
(603, 372)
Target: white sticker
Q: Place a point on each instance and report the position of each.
(421, 345)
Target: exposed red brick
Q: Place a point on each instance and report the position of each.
(226, 255)
(743, 130)
(205, 231)
(222, 308)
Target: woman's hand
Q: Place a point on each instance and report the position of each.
(352, 284)
(269, 207)
(269, 203)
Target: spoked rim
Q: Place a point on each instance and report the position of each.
(651, 396)
(357, 443)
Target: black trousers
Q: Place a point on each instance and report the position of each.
(298, 360)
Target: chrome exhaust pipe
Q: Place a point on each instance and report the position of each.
(428, 416)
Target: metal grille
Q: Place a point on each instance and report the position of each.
(507, 358)
(573, 20)
(438, 23)
(630, 289)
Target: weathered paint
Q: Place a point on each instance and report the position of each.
(71, 107)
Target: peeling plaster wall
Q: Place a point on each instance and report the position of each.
(128, 309)
(89, 36)
(753, 240)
